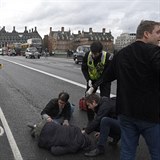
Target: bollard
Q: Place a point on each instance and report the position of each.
(1, 66)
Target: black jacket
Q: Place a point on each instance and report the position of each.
(52, 109)
(105, 108)
(61, 139)
(137, 70)
(84, 67)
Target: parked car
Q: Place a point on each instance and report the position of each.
(32, 52)
(80, 52)
(1, 51)
(11, 52)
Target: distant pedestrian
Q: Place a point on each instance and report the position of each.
(137, 71)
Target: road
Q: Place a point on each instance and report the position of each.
(26, 86)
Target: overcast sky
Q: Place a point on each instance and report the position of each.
(117, 16)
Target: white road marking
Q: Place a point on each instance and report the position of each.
(1, 131)
(14, 147)
(52, 75)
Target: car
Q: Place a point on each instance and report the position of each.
(32, 52)
(1, 51)
(80, 52)
(11, 52)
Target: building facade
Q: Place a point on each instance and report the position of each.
(124, 40)
(9, 38)
(65, 40)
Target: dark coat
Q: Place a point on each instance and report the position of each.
(137, 70)
(52, 109)
(105, 108)
(61, 139)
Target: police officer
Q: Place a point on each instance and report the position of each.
(93, 65)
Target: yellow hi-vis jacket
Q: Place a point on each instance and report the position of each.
(96, 71)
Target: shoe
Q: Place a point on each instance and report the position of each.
(31, 126)
(94, 153)
(114, 142)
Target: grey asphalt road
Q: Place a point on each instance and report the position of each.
(23, 94)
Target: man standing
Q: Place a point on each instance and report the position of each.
(137, 70)
(93, 66)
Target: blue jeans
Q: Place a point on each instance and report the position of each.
(108, 127)
(59, 119)
(131, 129)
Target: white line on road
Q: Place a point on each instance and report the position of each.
(52, 75)
(14, 147)
(1, 131)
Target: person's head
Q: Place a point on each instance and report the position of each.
(96, 49)
(148, 32)
(63, 99)
(92, 100)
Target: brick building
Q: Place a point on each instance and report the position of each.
(63, 40)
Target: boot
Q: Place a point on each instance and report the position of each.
(94, 152)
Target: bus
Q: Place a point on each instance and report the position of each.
(35, 42)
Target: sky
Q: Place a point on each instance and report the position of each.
(117, 16)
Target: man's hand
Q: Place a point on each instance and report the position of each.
(90, 91)
(49, 119)
(66, 123)
(97, 135)
(83, 131)
(90, 83)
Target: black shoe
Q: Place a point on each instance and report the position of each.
(114, 142)
(94, 153)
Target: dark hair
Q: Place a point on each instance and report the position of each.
(63, 96)
(96, 47)
(92, 97)
(145, 25)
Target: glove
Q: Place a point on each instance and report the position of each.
(90, 91)
(83, 131)
(65, 123)
(90, 83)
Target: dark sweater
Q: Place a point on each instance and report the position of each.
(105, 108)
(52, 109)
(137, 70)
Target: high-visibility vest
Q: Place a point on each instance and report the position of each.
(96, 71)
